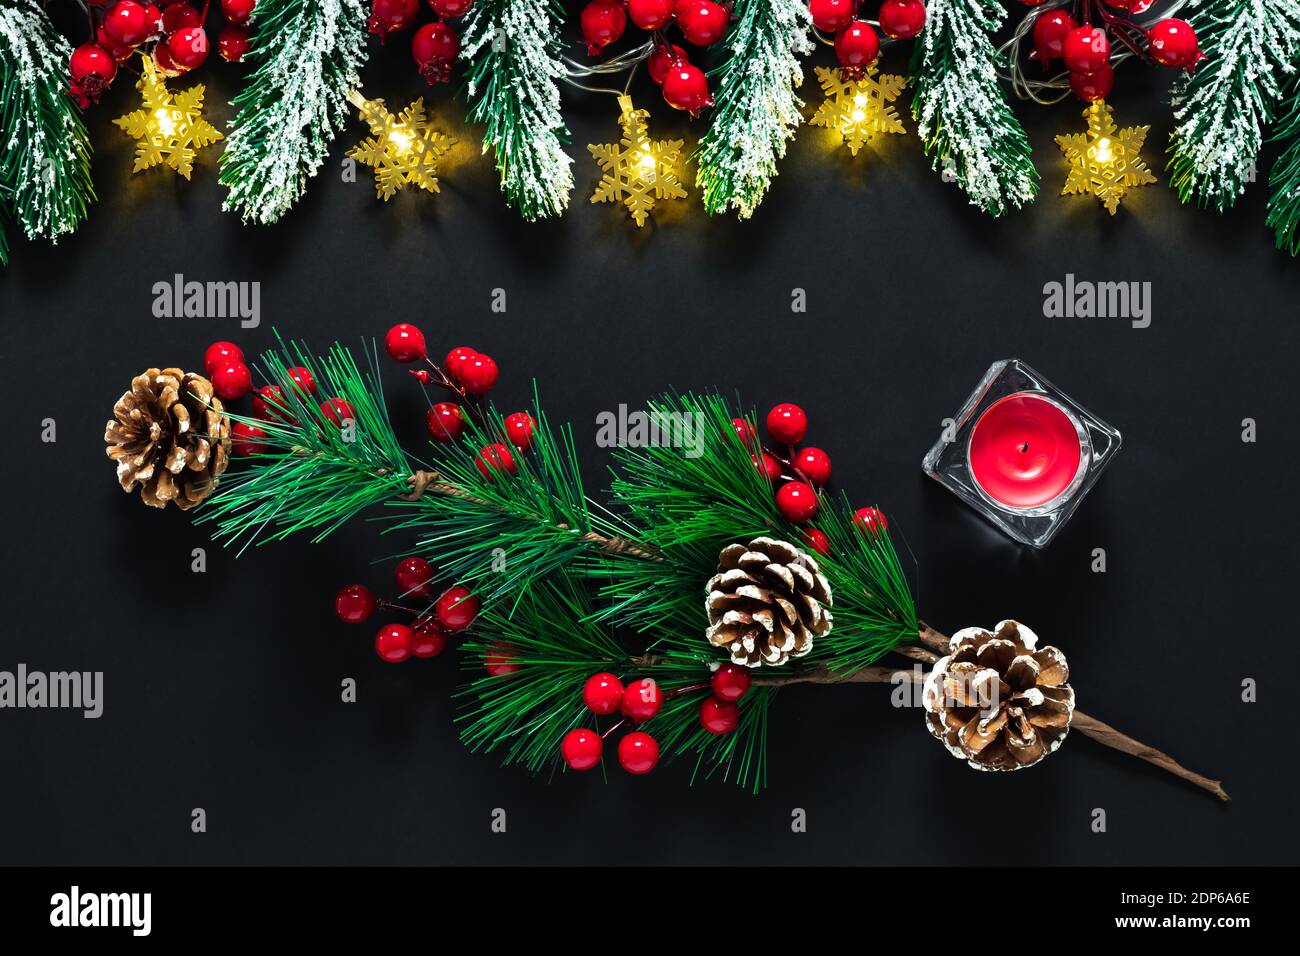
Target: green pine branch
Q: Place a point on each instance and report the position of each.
(306, 57)
(1284, 179)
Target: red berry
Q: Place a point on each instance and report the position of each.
(444, 422)
(650, 14)
(603, 22)
(269, 404)
(178, 16)
(127, 24)
(162, 59)
(405, 343)
(902, 19)
(1093, 86)
(354, 604)
(92, 68)
(817, 540)
(602, 693)
(393, 642)
(429, 639)
(495, 457)
(238, 11)
(769, 466)
(745, 430)
(233, 43)
(519, 430)
(221, 353)
(478, 374)
(581, 748)
(731, 682)
(832, 16)
(119, 52)
(703, 22)
(787, 424)
(338, 411)
(1173, 43)
(501, 660)
(815, 464)
(153, 17)
(435, 47)
(451, 8)
(686, 88)
(246, 439)
(456, 609)
(302, 378)
(796, 501)
(871, 520)
(455, 361)
(1086, 49)
(413, 575)
(662, 59)
(188, 47)
(232, 380)
(638, 753)
(1050, 31)
(642, 699)
(719, 716)
(856, 47)
(386, 16)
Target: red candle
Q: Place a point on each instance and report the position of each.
(1024, 450)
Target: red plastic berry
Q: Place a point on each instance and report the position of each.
(119, 52)
(519, 430)
(456, 609)
(650, 14)
(269, 403)
(745, 430)
(162, 59)
(188, 47)
(153, 17)
(444, 422)
(832, 16)
(902, 19)
(393, 642)
(703, 22)
(501, 659)
(731, 682)
(429, 639)
(92, 68)
(603, 22)
(219, 354)
(435, 47)
(815, 464)
(769, 466)
(1050, 31)
(127, 24)
(354, 604)
(1086, 49)
(246, 439)
(178, 16)
(796, 501)
(686, 88)
(233, 43)
(1093, 86)
(602, 693)
(642, 699)
(405, 343)
(638, 753)
(1173, 43)
(787, 424)
(495, 457)
(302, 378)
(662, 59)
(478, 374)
(238, 11)
(413, 575)
(856, 47)
(232, 380)
(451, 8)
(387, 16)
(817, 540)
(338, 411)
(581, 748)
(455, 361)
(871, 520)
(718, 716)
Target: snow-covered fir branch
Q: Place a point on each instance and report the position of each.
(1284, 179)
(757, 111)
(962, 115)
(1252, 49)
(513, 48)
(307, 56)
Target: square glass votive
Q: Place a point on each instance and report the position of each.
(1021, 452)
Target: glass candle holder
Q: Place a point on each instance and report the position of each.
(1021, 452)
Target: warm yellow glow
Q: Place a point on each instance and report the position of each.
(859, 109)
(646, 163)
(169, 128)
(400, 139)
(858, 116)
(637, 171)
(1105, 161)
(860, 100)
(1104, 152)
(403, 150)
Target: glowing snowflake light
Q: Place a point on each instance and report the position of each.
(170, 129)
(859, 109)
(1105, 161)
(401, 149)
(637, 171)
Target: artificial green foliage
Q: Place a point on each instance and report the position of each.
(45, 183)
(1284, 179)
(962, 115)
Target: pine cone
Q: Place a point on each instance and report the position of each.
(169, 435)
(767, 602)
(996, 701)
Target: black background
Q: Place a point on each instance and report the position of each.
(222, 689)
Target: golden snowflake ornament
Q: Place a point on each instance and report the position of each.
(170, 129)
(638, 171)
(1105, 161)
(403, 150)
(859, 109)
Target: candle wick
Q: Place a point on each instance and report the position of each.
(1024, 447)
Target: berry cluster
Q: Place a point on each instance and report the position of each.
(799, 473)
(171, 32)
(1086, 49)
(427, 634)
(856, 43)
(435, 45)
